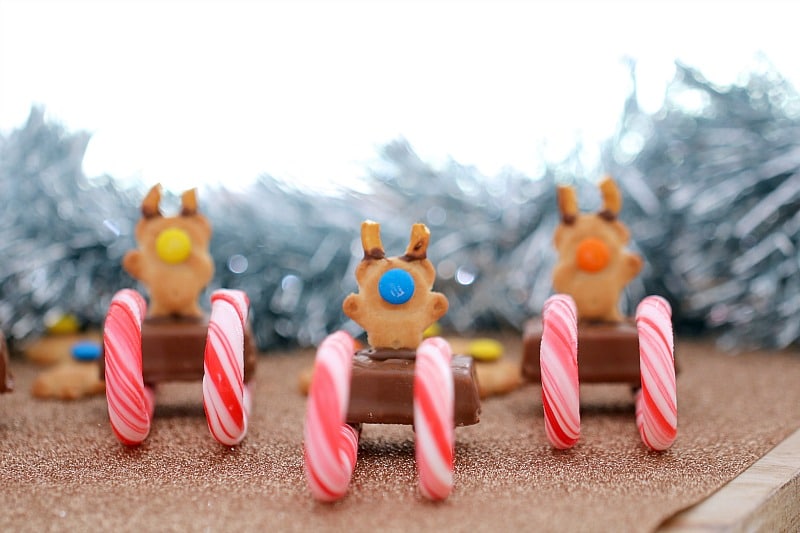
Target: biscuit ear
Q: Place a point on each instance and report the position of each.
(371, 240)
(612, 199)
(567, 204)
(189, 203)
(418, 243)
(150, 204)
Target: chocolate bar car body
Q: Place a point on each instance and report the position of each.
(382, 388)
(607, 352)
(173, 349)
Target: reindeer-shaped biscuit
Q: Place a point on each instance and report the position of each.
(593, 265)
(395, 302)
(173, 259)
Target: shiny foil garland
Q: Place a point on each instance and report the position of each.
(711, 193)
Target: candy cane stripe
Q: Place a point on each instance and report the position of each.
(224, 395)
(330, 445)
(434, 418)
(656, 402)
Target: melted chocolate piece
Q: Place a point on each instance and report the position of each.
(6, 379)
(381, 354)
(173, 349)
(607, 352)
(382, 388)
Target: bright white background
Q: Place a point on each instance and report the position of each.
(220, 91)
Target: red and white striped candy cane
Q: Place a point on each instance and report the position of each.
(331, 445)
(434, 424)
(656, 401)
(130, 403)
(226, 399)
(559, 368)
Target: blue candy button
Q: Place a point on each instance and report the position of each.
(396, 286)
(86, 351)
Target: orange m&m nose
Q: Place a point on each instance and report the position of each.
(593, 255)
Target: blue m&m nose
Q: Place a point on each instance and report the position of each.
(86, 351)
(396, 286)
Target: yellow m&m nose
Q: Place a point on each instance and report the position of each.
(173, 245)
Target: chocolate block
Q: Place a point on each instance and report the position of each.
(6, 379)
(173, 350)
(607, 352)
(382, 389)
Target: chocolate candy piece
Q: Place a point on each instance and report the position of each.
(6, 380)
(86, 351)
(173, 349)
(382, 388)
(607, 352)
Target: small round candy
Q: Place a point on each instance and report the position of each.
(485, 349)
(593, 255)
(396, 286)
(85, 351)
(62, 324)
(434, 330)
(173, 245)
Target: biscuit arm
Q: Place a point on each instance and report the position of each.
(439, 306)
(133, 263)
(351, 308)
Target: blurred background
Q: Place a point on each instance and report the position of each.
(184, 92)
(297, 120)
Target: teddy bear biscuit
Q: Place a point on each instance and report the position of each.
(172, 260)
(593, 265)
(395, 301)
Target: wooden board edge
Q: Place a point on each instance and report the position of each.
(765, 497)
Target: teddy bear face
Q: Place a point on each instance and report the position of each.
(395, 302)
(593, 265)
(172, 258)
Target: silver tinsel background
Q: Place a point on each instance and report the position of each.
(711, 185)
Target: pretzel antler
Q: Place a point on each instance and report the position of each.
(418, 243)
(567, 204)
(189, 203)
(371, 240)
(612, 199)
(150, 204)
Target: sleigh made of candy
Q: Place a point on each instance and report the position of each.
(176, 341)
(561, 353)
(581, 337)
(427, 387)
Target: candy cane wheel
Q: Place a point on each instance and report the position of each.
(558, 358)
(434, 418)
(330, 445)
(130, 403)
(656, 401)
(226, 399)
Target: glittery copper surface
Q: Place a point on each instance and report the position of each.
(64, 470)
